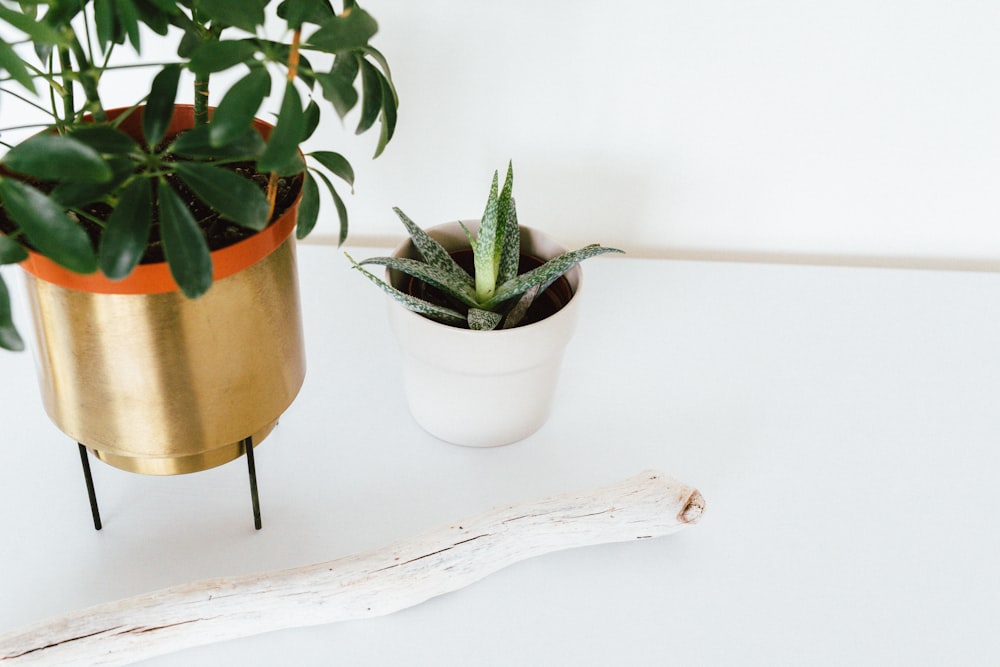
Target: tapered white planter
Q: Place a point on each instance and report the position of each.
(482, 388)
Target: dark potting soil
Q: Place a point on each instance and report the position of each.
(546, 304)
(219, 232)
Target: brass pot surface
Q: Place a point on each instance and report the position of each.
(160, 384)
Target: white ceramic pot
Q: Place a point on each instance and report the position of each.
(482, 388)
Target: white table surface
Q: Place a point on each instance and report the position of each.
(842, 424)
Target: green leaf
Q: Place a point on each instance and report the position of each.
(545, 274)
(184, 244)
(244, 14)
(383, 63)
(444, 279)
(160, 104)
(156, 18)
(346, 65)
(10, 61)
(9, 338)
(238, 107)
(339, 203)
(312, 115)
(37, 31)
(127, 231)
(432, 251)
(47, 227)
(11, 252)
(483, 320)
(215, 56)
(297, 12)
(129, 17)
(371, 86)
(446, 315)
(104, 139)
(70, 194)
(196, 143)
(350, 30)
(388, 115)
(235, 197)
(338, 90)
(109, 28)
(283, 145)
(336, 163)
(308, 207)
(53, 157)
(486, 245)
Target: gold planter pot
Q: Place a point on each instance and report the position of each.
(155, 383)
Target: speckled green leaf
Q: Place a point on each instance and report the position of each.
(486, 246)
(510, 255)
(508, 248)
(432, 251)
(546, 273)
(483, 320)
(184, 244)
(443, 279)
(446, 315)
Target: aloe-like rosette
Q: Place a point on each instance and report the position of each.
(496, 295)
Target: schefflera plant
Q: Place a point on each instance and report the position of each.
(495, 296)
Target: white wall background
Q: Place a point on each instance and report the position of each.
(855, 130)
(809, 127)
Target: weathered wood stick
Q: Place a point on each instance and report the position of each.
(361, 586)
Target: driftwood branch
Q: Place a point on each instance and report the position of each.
(361, 586)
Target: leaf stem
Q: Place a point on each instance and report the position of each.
(293, 68)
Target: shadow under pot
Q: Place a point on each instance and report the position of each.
(484, 388)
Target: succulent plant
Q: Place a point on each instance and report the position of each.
(496, 296)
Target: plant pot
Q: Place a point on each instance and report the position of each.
(482, 388)
(153, 382)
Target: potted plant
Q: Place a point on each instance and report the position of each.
(157, 239)
(482, 314)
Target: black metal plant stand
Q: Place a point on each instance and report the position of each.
(246, 444)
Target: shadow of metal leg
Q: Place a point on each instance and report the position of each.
(91, 493)
(248, 448)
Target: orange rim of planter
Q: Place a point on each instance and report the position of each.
(156, 278)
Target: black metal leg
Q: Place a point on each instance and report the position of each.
(85, 460)
(248, 448)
